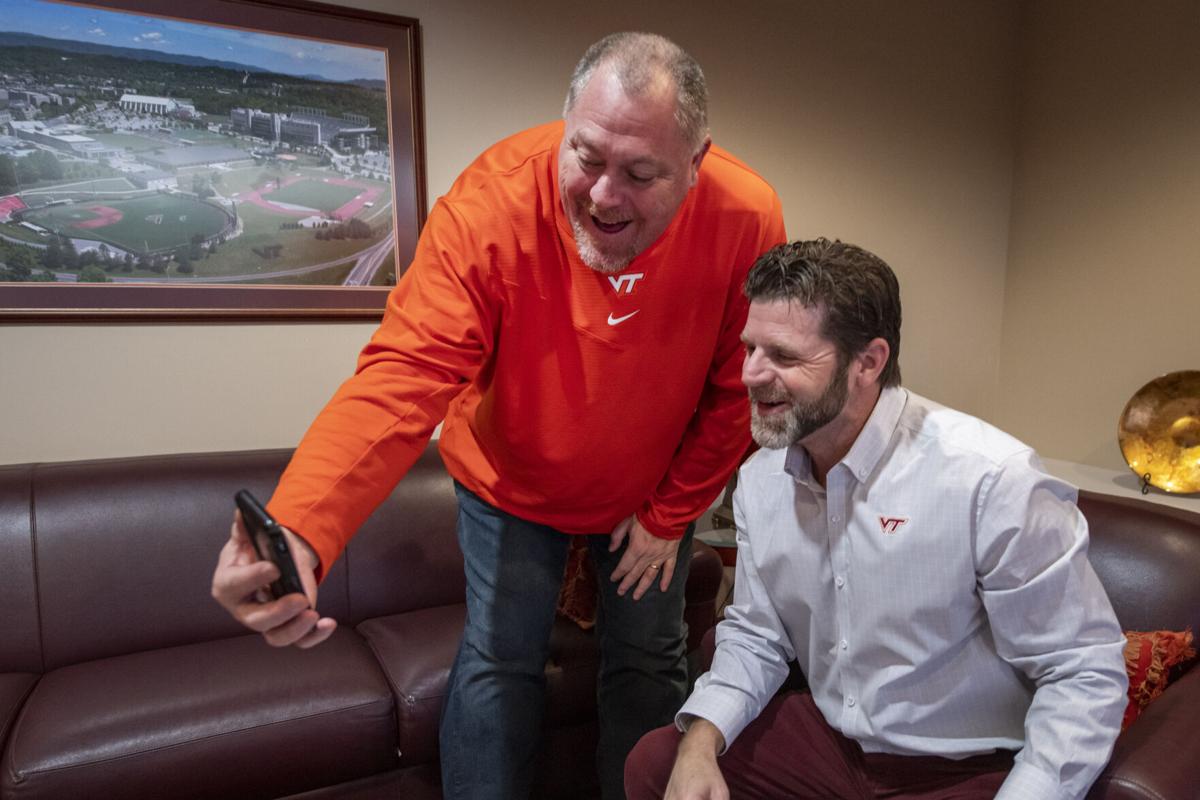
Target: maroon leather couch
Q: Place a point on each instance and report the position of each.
(1148, 558)
(121, 678)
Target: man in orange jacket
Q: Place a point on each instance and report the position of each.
(572, 313)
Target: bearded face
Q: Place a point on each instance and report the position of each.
(778, 420)
(624, 169)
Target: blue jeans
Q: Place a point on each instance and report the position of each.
(492, 719)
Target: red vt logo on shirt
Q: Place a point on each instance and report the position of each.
(891, 524)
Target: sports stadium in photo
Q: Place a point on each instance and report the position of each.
(303, 195)
(145, 225)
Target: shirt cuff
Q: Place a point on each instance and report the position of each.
(656, 529)
(1027, 782)
(723, 711)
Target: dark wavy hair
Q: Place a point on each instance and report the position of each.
(856, 290)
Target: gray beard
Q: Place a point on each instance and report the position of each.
(598, 261)
(806, 417)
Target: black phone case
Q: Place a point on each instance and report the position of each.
(258, 521)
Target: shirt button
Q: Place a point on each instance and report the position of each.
(833, 519)
(845, 644)
(840, 581)
(850, 702)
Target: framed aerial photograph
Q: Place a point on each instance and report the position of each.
(209, 159)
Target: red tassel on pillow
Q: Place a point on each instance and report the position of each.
(1149, 657)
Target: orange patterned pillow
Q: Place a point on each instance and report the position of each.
(577, 596)
(1149, 657)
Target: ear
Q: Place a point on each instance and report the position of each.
(871, 360)
(698, 158)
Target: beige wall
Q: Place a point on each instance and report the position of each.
(1103, 288)
(888, 124)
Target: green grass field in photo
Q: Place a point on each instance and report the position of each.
(147, 223)
(314, 194)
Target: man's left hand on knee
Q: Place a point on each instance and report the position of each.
(646, 558)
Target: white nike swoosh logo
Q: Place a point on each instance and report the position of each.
(618, 320)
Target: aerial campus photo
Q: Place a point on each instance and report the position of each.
(138, 149)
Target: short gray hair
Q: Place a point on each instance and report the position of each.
(639, 58)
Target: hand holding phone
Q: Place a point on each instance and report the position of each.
(270, 543)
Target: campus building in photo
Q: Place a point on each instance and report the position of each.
(176, 158)
(263, 124)
(145, 104)
(62, 138)
(310, 127)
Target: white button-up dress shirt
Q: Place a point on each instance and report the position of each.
(936, 593)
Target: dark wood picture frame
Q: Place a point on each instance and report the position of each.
(399, 39)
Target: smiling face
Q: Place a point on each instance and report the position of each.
(797, 381)
(624, 169)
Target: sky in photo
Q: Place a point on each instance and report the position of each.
(284, 54)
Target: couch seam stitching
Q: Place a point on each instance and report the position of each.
(37, 578)
(1131, 782)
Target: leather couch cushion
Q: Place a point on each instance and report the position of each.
(20, 646)
(125, 550)
(14, 688)
(416, 783)
(405, 557)
(1148, 558)
(267, 721)
(417, 650)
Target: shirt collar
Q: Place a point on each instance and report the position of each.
(873, 440)
(870, 445)
(796, 464)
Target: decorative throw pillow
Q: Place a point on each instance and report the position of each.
(1149, 657)
(577, 597)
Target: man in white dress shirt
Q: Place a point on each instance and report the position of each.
(927, 575)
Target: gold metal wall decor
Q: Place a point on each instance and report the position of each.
(1159, 433)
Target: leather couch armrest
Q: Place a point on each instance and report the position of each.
(708, 648)
(700, 593)
(704, 574)
(1158, 756)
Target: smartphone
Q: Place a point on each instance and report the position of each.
(270, 543)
